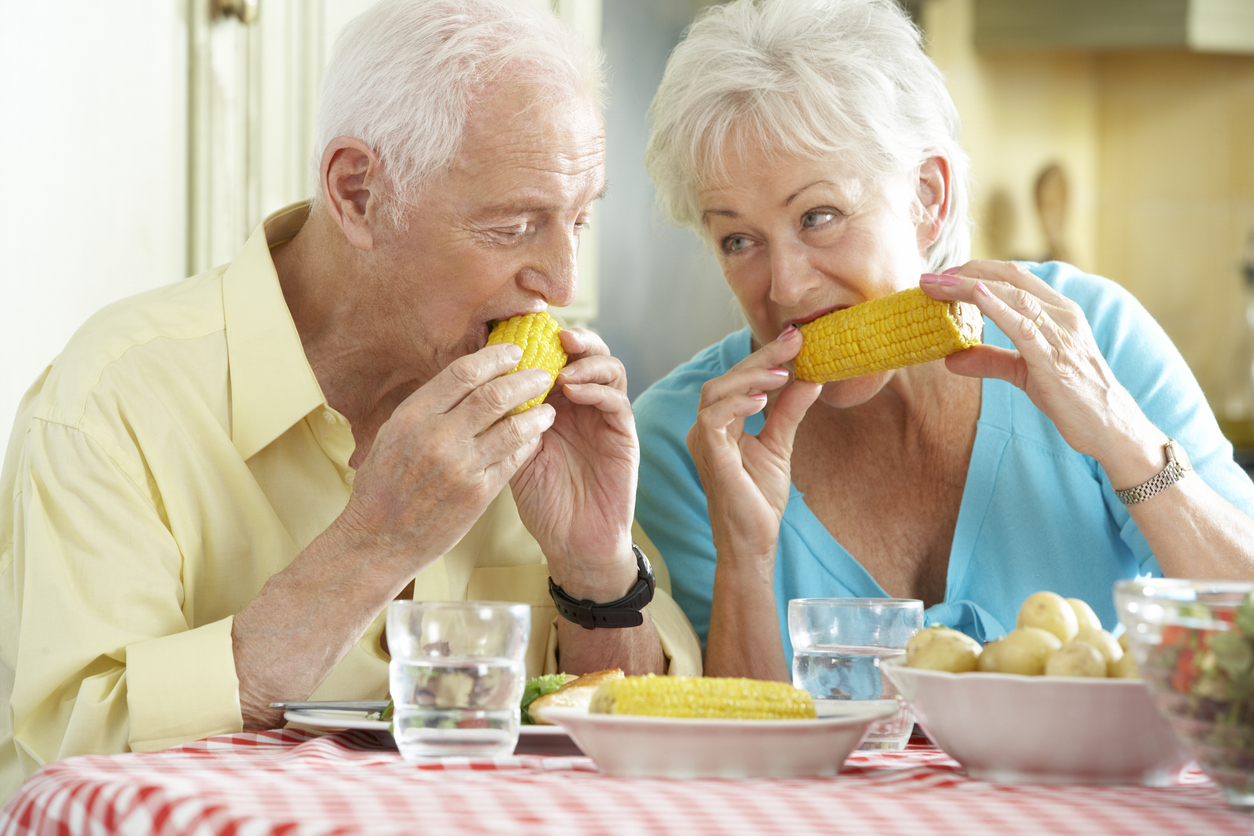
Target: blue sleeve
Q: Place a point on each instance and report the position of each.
(1149, 366)
(670, 502)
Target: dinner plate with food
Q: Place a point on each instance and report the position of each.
(690, 727)
(535, 737)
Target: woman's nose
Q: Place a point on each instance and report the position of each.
(792, 275)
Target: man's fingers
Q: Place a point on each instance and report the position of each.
(597, 368)
(507, 437)
(580, 342)
(464, 375)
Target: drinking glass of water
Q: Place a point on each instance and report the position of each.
(837, 645)
(457, 676)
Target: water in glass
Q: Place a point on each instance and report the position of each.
(851, 672)
(453, 705)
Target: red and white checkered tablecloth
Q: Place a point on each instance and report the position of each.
(294, 783)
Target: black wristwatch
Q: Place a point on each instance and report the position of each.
(625, 612)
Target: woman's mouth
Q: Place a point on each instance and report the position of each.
(813, 316)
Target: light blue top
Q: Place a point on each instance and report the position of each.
(1035, 514)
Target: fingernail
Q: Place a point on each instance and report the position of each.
(787, 333)
(941, 279)
(757, 397)
(980, 288)
(779, 371)
(951, 270)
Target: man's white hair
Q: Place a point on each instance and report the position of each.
(405, 73)
(816, 79)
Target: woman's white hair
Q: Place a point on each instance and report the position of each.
(404, 74)
(814, 79)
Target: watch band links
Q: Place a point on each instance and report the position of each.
(1158, 483)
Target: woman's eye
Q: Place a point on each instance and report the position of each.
(734, 243)
(817, 217)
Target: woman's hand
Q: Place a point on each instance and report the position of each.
(1057, 364)
(747, 479)
(1191, 530)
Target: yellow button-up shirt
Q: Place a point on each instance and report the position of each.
(177, 454)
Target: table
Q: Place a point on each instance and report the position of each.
(297, 783)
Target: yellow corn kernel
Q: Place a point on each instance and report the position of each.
(709, 697)
(887, 333)
(537, 335)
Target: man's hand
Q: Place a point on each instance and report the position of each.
(435, 465)
(445, 454)
(577, 494)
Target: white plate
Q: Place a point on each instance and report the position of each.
(534, 740)
(670, 747)
(1043, 729)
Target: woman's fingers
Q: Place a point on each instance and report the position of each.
(761, 371)
(790, 407)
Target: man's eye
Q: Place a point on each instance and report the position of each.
(817, 217)
(734, 243)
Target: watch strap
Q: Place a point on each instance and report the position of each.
(624, 612)
(1162, 480)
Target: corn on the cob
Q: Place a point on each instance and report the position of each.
(887, 333)
(709, 697)
(537, 335)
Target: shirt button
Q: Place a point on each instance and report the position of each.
(329, 417)
(348, 477)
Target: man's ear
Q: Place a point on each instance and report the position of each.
(934, 199)
(350, 183)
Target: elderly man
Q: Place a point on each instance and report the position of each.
(214, 491)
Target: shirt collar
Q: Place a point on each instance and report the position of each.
(272, 385)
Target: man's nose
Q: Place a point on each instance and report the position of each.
(553, 272)
(792, 275)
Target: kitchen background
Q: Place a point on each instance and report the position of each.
(144, 141)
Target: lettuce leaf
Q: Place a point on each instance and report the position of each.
(538, 687)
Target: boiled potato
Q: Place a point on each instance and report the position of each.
(1125, 641)
(1049, 611)
(942, 649)
(1076, 658)
(1024, 650)
(1125, 668)
(1084, 614)
(1105, 643)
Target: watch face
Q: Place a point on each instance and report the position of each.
(1177, 454)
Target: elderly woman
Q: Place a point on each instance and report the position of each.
(814, 146)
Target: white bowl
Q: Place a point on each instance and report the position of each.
(671, 747)
(1038, 729)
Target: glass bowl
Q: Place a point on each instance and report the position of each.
(1194, 644)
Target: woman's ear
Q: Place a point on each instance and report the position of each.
(350, 182)
(933, 196)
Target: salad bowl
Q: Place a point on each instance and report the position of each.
(1193, 642)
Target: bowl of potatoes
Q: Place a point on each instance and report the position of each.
(1057, 700)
